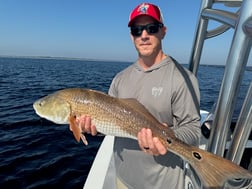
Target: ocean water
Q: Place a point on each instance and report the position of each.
(35, 153)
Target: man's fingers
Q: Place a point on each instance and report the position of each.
(87, 124)
(143, 140)
(159, 146)
(93, 130)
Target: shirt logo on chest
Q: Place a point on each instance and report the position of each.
(156, 91)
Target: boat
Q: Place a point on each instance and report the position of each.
(216, 135)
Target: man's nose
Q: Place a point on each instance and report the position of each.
(144, 33)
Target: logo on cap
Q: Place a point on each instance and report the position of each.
(143, 8)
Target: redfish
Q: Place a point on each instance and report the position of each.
(125, 118)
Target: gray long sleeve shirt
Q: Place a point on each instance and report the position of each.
(170, 92)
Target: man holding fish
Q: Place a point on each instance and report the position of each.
(169, 92)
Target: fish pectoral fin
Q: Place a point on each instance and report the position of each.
(75, 128)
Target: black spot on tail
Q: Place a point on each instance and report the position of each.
(197, 155)
(169, 140)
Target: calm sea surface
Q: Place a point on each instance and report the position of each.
(35, 153)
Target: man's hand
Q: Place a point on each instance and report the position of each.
(86, 125)
(150, 144)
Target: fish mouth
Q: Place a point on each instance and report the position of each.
(35, 106)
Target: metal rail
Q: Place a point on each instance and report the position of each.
(235, 67)
(242, 130)
(241, 22)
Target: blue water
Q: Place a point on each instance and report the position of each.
(35, 153)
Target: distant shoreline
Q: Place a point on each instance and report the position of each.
(249, 68)
(62, 58)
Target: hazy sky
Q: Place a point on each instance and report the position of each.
(98, 29)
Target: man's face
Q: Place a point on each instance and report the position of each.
(148, 44)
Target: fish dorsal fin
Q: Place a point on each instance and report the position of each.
(138, 107)
(134, 103)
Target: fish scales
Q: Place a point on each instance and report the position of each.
(101, 109)
(125, 118)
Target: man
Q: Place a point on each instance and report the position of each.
(169, 92)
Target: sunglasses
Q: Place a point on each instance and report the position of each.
(150, 28)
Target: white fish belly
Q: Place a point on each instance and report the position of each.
(108, 128)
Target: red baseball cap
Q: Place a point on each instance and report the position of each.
(146, 9)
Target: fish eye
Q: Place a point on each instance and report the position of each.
(40, 103)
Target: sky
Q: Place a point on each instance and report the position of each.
(97, 29)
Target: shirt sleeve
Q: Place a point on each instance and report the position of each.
(186, 110)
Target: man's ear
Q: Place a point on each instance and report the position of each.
(164, 30)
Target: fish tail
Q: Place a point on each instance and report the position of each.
(214, 171)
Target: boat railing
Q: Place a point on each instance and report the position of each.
(241, 22)
(242, 130)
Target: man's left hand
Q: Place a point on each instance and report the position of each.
(150, 144)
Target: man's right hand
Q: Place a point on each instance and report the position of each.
(86, 125)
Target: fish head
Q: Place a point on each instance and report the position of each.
(53, 108)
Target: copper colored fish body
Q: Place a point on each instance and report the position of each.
(125, 118)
